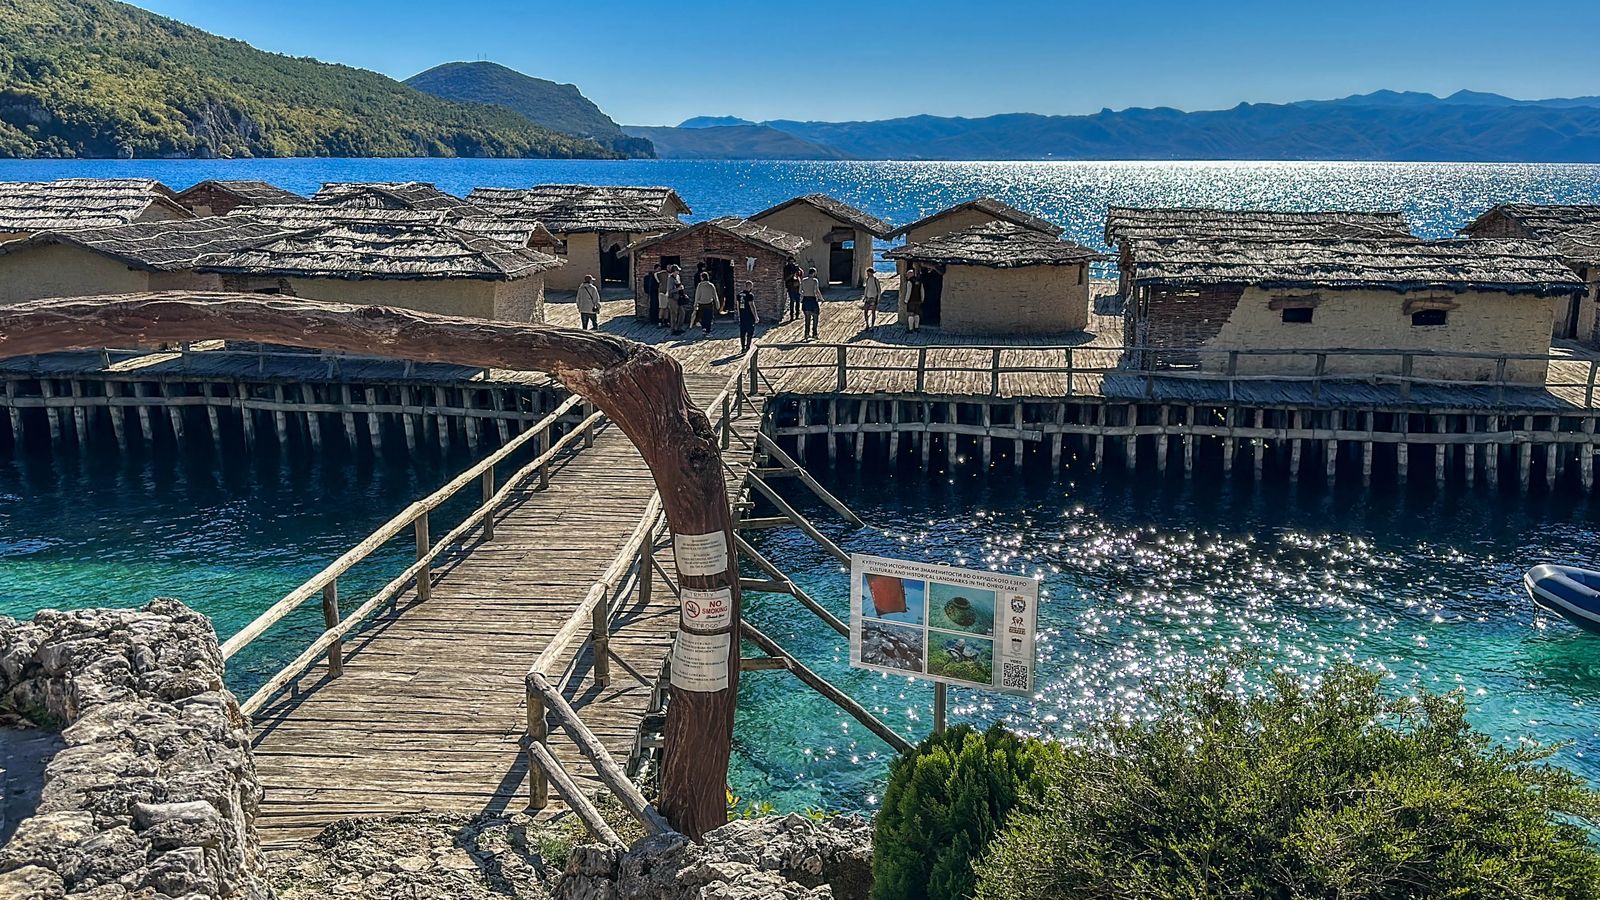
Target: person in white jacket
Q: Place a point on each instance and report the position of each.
(706, 301)
(871, 293)
(589, 304)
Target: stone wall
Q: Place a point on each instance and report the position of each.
(154, 793)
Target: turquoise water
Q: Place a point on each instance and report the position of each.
(227, 535)
(1145, 582)
(1439, 197)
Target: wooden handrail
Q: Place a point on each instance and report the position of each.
(385, 533)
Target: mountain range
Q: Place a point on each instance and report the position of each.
(1466, 126)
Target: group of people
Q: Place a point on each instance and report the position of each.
(666, 292)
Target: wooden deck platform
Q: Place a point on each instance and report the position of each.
(429, 712)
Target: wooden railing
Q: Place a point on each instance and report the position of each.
(414, 518)
(988, 364)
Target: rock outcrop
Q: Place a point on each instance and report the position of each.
(790, 857)
(154, 793)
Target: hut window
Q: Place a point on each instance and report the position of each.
(560, 248)
(1428, 317)
(1298, 315)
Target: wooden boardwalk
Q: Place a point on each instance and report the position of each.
(429, 712)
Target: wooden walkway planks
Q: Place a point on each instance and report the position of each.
(429, 715)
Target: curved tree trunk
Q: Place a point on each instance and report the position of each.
(636, 386)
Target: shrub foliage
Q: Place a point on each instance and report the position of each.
(945, 801)
(1332, 791)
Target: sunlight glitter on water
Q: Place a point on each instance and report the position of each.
(1144, 585)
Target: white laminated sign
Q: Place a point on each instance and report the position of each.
(707, 611)
(701, 554)
(700, 661)
(957, 626)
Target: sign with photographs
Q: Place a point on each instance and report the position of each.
(940, 623)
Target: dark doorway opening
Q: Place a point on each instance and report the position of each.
(614, 268)
(721, 272)
(932, 294)
(841, 257)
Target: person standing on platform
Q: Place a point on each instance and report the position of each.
(791, 287)
(705, 302)
(671, 287)
(912, 304)
(811, 301)
(652, 292)
(871, 293)
(747, 316)
(589, 304)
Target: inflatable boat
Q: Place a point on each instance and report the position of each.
(1572, 593)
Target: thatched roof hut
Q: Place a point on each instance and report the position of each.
(414, 195)
(374, 250)
(167, 246)
(1124, 224)
(998, 278)
(218, 198)
(732, 250)
(27, 207)
(841, 236)
(518, 233)
(1580, 245)
(1466, 296)
(522, 201)
(1532, 220)
(838, 210)
(972, 212)
(1509, 267)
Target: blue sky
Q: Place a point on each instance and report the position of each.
(761, 60)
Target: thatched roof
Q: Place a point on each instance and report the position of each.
(1517, 267)
(248, 193)
(999, 245)
(416, 195)
(29, 206)
(576, 208)
(520, 233)
(1579, 245)
(837, 209)
(1541, 220)
(1001, 211)
(238, 244)
(1129, 224)
(760, 235)
(164, 246)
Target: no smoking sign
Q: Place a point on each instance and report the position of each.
(707, 611)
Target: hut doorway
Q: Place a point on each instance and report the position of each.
(841, 257)
(721, 272)
(932, 294)
(614, 268)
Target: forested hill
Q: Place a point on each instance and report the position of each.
(96, 78)
(560, 107)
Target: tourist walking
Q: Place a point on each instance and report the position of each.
(671, 288)
(791, 288)
(811, 301)
(747, 316)
(871, 293)
(589, 304)
(912, 304)
(652, 292)
(705, 301)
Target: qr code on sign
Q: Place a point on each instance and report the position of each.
(1014, 675)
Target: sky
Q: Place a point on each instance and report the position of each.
(648, 63)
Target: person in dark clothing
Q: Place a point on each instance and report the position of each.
(791, 286)
(747, 316)
(652, 290)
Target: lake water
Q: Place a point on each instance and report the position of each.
(1144, 580)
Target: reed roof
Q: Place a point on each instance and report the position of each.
(1131, 224)
(249, 193)
(837, 209)
(417, 195)
(1540, 219)
(998, 245)
(576, 208)
(781, 242)
(1580, 244)
(1514, 267)
(1002, 211)
(517, 232)
(30, 206)
(353, 249)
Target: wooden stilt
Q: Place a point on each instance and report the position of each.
(279, 417)
(1258, 459)
(347, 418)
(117, 414)
(1100, 439)
(1402, 450)
(247, 416)
(47, 390)
(1055, 439)
(1469, 452)
(894, 432)
(1188, 442)
(308, 395)
(15, 414)
(408, 422)
(832, 436)
(988, 430)
(1440, 426)
(80, 414)
(800, 439)
(1295, 447)
(1586, 454)
(145, 429)
(1491, 455)
(1550, 467)
(1018, 449)
(862, 409)
(1525, 453)
(1161, 441)
(174, 412)
(1228, 443)
(1331, 446)
(441, 420)
(925, 437)
(951, 439)
(374, 422)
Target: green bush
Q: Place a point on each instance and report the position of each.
(945, 801)
(1335, 791)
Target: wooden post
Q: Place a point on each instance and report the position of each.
(80, 414)
(988, 431)
(1295, 446)
(1402, 450)
(755, 369)
(544, 447)
(279, 417)
(894, 432)
(925, 437)
(146, 430)
(1331, 445)
(15, 414)
(994, 372)
(1366, 450)
(832, 437)
(922, 370)
(1525, 454)
(538, 733)
(374, 423)
(425, 573)
(1055, 439)
(330, 619)
(1188, 442)
(1586, 454)
(488, 494)
(1491, 455)
(841, 366)
(174, 413)
(347, 420)
(938, 707)
(308, 396)
(1440, 426)
(1258, 459)
(118, 416)
(600, 641)
(1469, 451)
(1161, 440)
(247, 416)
